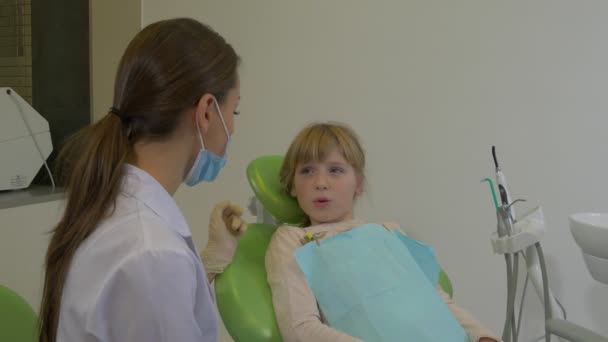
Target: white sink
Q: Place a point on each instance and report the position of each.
(590, 231)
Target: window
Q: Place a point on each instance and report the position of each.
(16, 46)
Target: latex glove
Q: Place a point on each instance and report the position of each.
(225, 228)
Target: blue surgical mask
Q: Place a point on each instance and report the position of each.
(207, 164)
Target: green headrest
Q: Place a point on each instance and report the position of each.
(263, 176)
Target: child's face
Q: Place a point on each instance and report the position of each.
(326, 190)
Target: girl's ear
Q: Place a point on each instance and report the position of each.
(360, 187)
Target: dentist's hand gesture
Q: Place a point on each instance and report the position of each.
(225, 228)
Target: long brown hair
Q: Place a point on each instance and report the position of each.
(164, 71)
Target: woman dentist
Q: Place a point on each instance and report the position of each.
(121, 264)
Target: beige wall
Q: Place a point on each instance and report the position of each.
(113, 24)
(430, 86)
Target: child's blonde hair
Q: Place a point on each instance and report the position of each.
(315, 142)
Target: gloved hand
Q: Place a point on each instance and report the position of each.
(225, 228)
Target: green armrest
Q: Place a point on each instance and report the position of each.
(18, 322)
(445, 283)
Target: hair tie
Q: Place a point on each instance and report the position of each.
(115, 111)
(120, 115)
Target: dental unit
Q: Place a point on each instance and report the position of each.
(520, 236)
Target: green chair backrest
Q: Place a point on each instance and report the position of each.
(243, 296)
(18, 321)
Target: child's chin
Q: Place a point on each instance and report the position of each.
(324, 220)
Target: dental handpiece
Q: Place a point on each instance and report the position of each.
(503, 188)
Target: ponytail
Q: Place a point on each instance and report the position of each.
(92, 163)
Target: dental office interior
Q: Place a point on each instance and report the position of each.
(430, 87)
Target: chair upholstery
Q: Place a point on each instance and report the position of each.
(263, 176)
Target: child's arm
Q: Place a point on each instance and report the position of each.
(473, 328)
(295, 305)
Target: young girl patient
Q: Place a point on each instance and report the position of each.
(324, 171)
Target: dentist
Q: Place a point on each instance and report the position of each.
(121, 264)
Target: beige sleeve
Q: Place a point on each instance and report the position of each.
(295, 305)
(471, 326)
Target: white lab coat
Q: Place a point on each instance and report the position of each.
(138, 277)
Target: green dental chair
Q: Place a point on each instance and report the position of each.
(18, 321)
(243, 296)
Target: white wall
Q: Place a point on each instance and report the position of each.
(430, 86)
(24, 234)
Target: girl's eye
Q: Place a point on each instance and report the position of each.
(336, 170)
(305, 170)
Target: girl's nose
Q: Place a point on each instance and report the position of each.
(321, 182)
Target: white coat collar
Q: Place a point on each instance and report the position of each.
(141, 185)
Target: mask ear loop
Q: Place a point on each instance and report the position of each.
(219, 111)
(200, 136)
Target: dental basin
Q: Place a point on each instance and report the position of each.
(590, 231)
